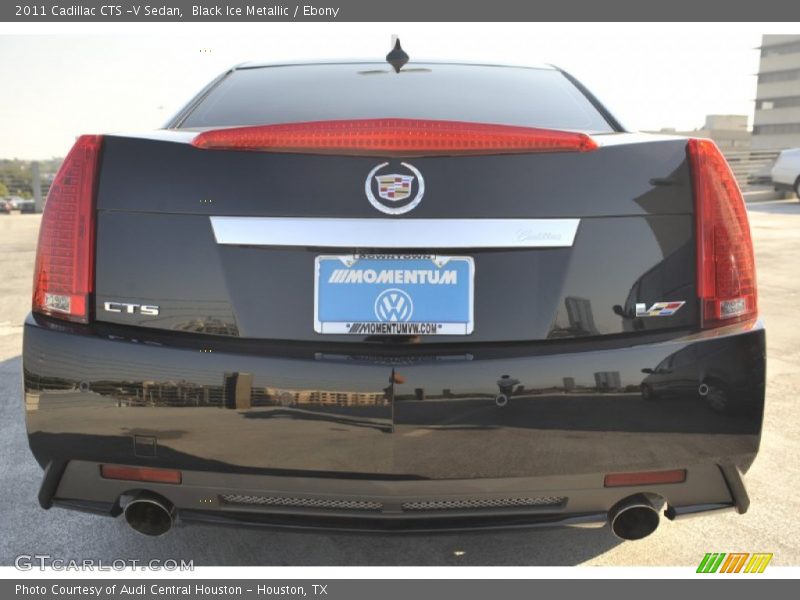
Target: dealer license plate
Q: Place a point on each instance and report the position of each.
(394, 295)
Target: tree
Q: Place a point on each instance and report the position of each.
(3, 190)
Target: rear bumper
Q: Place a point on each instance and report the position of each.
(331, 429)
(399, 506)
(782, 185)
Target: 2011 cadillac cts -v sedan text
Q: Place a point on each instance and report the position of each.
(388, 297)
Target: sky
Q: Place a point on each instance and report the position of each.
(63, 81)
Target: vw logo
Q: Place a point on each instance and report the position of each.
(394, 189)
(393, 305)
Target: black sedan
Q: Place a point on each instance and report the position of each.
(394, 297)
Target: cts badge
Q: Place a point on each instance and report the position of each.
(131, 309)
(394, 189)
(659, 309)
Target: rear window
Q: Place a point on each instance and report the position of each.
(483, 94)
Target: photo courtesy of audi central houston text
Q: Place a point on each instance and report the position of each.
(452, 296)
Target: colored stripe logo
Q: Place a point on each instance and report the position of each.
(734, 562)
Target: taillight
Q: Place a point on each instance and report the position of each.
(64, 272)
(394, 137)
(726, 271)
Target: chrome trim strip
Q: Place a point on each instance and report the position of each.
(394, 233)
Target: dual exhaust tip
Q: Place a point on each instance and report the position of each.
(150, 514)
(633, 518)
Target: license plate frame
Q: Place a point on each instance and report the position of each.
(438, 290)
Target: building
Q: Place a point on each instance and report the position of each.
(581, 318)
(729, 132)
(292, 397)
(607, 381)
(776, 124)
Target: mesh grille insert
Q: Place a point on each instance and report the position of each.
(461, 504)
(293, 502)
(412, 506)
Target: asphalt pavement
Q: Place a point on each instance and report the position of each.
(771, 525)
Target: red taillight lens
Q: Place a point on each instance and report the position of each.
(394, 137)
(140, 474)
(64, 272)
(726, 271)
(644, 478)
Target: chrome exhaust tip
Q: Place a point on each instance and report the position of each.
(633, 518)
(501, 400)
(150, 514)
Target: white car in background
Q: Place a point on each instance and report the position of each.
(786, 172)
